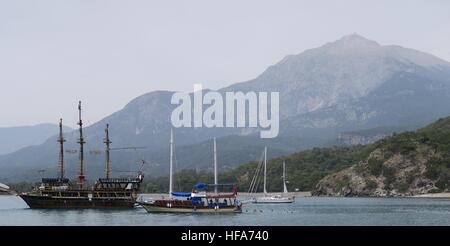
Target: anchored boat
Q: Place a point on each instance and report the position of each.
(5, 190)
(197, 201)
(107, 192)
(204, 198)
(284, 198)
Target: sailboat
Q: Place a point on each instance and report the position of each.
(200, 200)
(274, 198)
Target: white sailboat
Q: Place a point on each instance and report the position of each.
(274, 198)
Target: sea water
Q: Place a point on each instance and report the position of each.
(305, 211)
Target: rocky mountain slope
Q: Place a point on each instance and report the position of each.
(410, 163)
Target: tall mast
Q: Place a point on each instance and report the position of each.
(265, 169)
(61, 141)
(107, 149)
(284, 178)
(171, 164)
(81, 142)
(215, 166)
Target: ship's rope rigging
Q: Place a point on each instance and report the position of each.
(256, 179)
(177, 174)
(140, 160)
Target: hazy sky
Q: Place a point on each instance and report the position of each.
(53, 53)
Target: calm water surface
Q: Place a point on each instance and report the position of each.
(305, 211)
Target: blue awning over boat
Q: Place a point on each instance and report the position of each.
(196, 199)
(200, 185)
(183, 194)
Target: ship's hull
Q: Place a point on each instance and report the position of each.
(274, 200)
(34, 201)
(203, 209)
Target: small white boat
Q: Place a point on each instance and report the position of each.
(284, 198)
(5, 190)
(4, 187)
(275, 199)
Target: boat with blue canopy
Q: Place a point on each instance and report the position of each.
(204, 198)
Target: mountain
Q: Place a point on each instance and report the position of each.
(15, 138)
(352, 84)
(338, 72)
(410, 163)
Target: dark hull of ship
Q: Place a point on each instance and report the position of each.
(180, 206)
(34, 201)
(159, 209)
(180, 209)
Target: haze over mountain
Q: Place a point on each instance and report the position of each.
(350, 84)
(15, 138)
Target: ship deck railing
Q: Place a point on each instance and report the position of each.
(120, 180)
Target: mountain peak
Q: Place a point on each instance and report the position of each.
(355, 37)
(353, 43)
